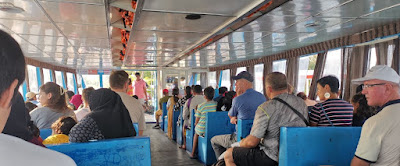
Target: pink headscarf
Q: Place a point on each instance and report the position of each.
(76, 100)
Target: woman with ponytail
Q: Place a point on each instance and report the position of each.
(53, 99)
(170, 105)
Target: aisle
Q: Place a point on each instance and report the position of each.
(165, 151)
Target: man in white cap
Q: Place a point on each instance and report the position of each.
(379, 142)
(31, 97)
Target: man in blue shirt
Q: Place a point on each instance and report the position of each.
(243, 107)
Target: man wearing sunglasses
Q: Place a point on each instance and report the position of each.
(379, 141)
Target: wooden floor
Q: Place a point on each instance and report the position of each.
(165, 151)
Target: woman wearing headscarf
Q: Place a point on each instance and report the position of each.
(108, 119)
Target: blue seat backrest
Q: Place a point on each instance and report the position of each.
(136, 126)
(164, 113)
(190, 133)
(243, 128)
(44, 133)
(304, 146)
(179, 128)
(130, 151)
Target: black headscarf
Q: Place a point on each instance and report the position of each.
(18, 121)
(110, 114)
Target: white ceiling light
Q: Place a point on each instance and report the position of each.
(10, 7)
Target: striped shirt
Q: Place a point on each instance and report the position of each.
(203, 108)
(340, 113)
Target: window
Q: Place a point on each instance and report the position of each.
(372, 58)
(306, 71)
(240, 69)
(279, 66)
(92, 81)
(46, 75)
(33, 79)
(59, 78)
(106, 81)
(259, 77)
(225, 81)
(212, 79)
(198, 82)
(333, 64)
(70, 81)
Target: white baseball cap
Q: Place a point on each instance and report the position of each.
(379, 72)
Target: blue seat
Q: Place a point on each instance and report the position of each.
(179, 126)
(175, 119)
(190, 133)
(243, 128)
(166, 124)
(164, 113)
(304, 146)
(136, 126)
(44, 133)
(121, 151)
(217, 123)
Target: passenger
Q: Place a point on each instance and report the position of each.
(140, 88)
(310, 103)
(30, 106)
(362, 111)
(130, 88)
(221, 92)
(119, 84)
(191, 104)
(202, 109)
(76, 100)
(52, 98)
(332, 111)
(243, 107)
(171, 108)
(109, 118)
(261, 147)
(136, 97)
(159, 112)
(31, 97)
(61, 129)
(188, 94)
(225, 103)
(15, 151)
(69, 96)
(379, 141)
(291, 89)
(81, 113)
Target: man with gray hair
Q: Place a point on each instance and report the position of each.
(379, 141)
(261, 147)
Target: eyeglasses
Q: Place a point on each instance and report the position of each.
(365, 86)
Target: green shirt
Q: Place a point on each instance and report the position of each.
(163, 100)
(203, 108)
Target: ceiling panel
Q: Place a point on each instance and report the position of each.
(393, 12)
(83, 30)
(306, 7)
(75, 13)
(90, 42)
(31, 11)
(45, 40)
(169, 37)
(99, 2)
(31, 27)
(158, 21)
(271, 23)
(157, 46)
(314, 24)
(220, 7)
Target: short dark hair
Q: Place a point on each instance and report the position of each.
(12, 62)
(302, 95)
(197, 89)
(137, 74)
(118, 79)
(188, 90)
(30, 106)
(222, 90)
(70, 94)
(277, 81)
(64, 124)
(332, 81)
(86, 93)
(175, 92)
(209, 93)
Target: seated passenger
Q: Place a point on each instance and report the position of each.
(119, 80)
(30, 106)
(76, 100)
(159, 112)
(69, 95)
(61, 129)
(262, 145)
(225, 102)
(52, 98)
(171, 108)
(31, 97)
(202, 109)
(362, 111)
(379, 141)
(191, 104)
(16, 151)
(81, 113)
(310, 103)
(221, 92)
(181, 102)
(109, 119)
(332, 111)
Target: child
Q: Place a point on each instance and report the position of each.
(61, 129)
(203, 108)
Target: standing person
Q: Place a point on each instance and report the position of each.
(243, 107)
(119, 84)
(160, 112)
(379, 141)
(16, 151)
(261, 147)
(332, 111)
(140, 88)
(81, 113)
(171, 108)
(53, 99)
